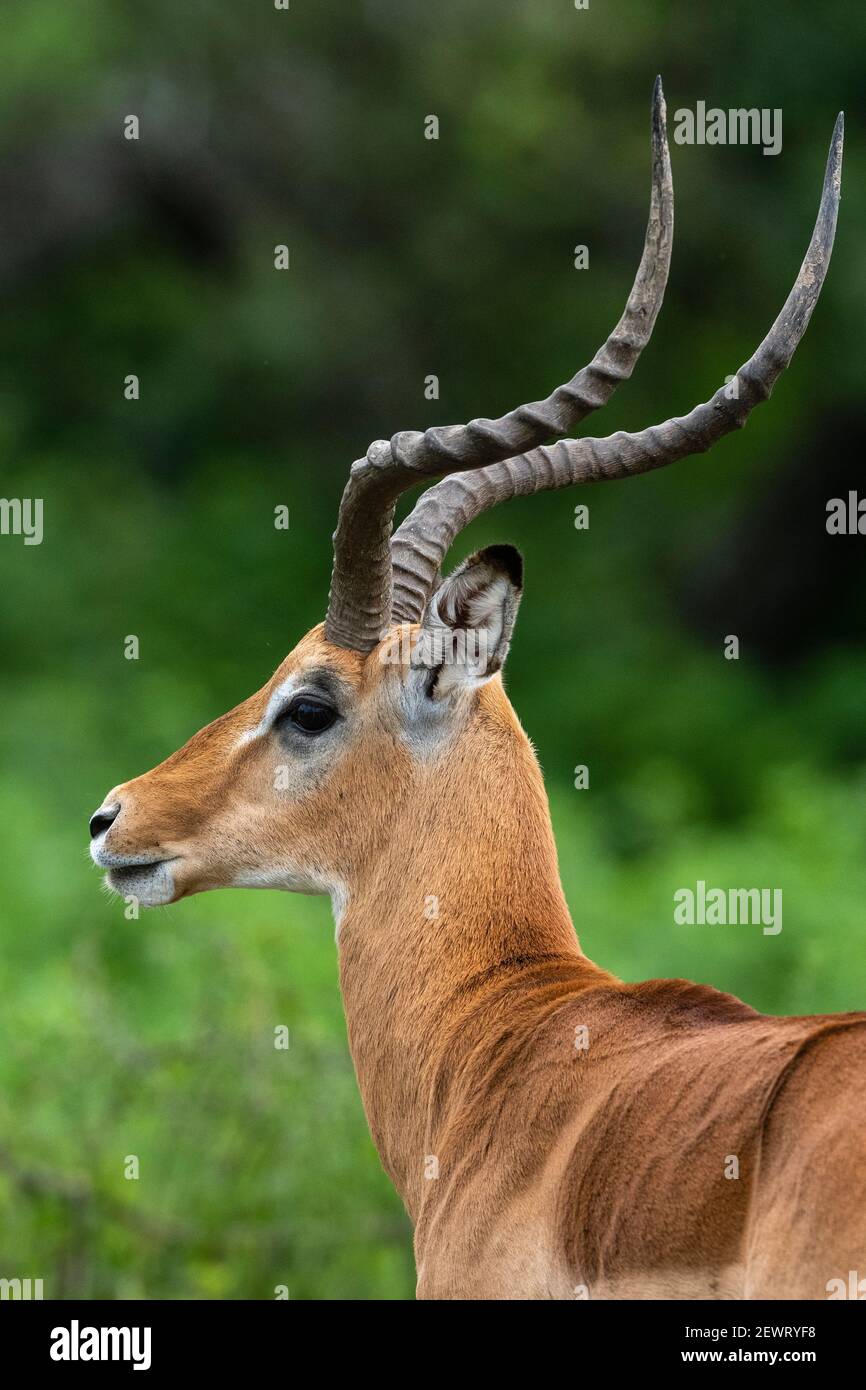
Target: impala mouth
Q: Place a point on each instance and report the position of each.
(149, 880)
(152, 883)
(123, 871)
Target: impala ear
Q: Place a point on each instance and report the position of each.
(467, 628)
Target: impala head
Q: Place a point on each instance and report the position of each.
(300, 783)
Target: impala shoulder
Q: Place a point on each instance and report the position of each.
(687, 1004)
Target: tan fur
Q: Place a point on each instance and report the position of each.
(530, 1168)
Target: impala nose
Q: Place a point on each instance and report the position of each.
(103, 819)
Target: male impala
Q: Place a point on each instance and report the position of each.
(407, 790)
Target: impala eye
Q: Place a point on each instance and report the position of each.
(310, 715)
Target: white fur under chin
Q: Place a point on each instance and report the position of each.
(152, 885)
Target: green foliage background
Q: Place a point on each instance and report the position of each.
(409, 257)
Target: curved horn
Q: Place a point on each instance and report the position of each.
(359, 605)
(420, 544)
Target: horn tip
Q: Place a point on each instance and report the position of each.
(659, 115)
(833, 175)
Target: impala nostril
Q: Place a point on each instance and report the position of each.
(103, 818)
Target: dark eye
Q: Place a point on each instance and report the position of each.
(311, 715)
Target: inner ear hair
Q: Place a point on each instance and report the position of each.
(476, 605)
(472, 591)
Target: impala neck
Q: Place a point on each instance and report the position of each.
(465, 889)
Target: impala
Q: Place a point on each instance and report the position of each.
(553, 1131)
